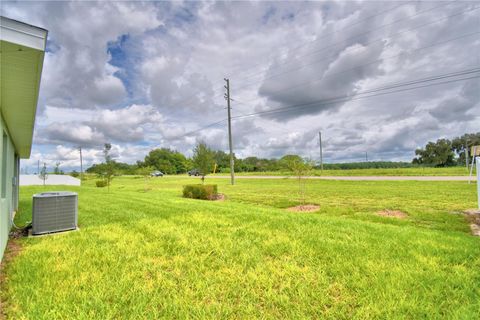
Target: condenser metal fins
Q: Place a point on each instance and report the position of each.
(54, 212)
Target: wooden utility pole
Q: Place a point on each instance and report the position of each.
(321, 153)
(230, 144)
(466, 156)
(81, 163)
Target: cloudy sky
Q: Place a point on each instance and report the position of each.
(376, 77)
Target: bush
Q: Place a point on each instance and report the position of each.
(200, 191)
(101, 183)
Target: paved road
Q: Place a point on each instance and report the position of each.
(362, 178)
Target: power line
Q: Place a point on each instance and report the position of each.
(405, 83)
(370, 63)
(203, 128)
(324, 36)
(323, 102)
(356, 36)
(370, 42)
(334, 32)
(345, 98)
(349, 97)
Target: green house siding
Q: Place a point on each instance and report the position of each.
(22, 49)
(8, 184)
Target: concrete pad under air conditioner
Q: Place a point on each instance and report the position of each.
(56, 233)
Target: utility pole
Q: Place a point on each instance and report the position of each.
(466, 156)
(81, 163)
(230, 144)
(321, 153)
(38, 166)
(366, 156)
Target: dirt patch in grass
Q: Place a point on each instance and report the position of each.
(304, 208)
(219, 197)
(473, 215)
(11, 251)
(392, 213)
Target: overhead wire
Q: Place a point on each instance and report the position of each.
(357, 96)
(370, 42)
(345, 99)
(296, 48)
(315, 52)
(348, 26)
(298, 85)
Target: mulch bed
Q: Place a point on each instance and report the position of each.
(304, 208)
(473, 216)
(392, 214)
(219, 197)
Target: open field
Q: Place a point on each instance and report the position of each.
(154, 254)
(447, 171)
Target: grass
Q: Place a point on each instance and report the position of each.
(143, 255)
(420, 171)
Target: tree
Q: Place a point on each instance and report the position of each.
(119, 168)
(145, 172)
(286, 161)
(301, 168)
(43, 175)
(461, 144)
(438, 154)
(166, 160)
(57, 170)
(109, 172)
(203, 159)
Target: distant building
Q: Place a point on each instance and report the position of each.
(22, 48)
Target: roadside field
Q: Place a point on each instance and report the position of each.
(154, 254)
(448, 171)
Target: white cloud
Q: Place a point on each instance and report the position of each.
(166, 77)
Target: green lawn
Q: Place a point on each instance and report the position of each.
(146, 255)
(448, 171)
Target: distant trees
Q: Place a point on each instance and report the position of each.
(119, 168)
(203, 159)
(440, 153)
(57, 169)
(461, 144)
(165, 160)
(437, 154)
(444, 152)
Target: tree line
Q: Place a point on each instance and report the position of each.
(441, 153)
(445, 152)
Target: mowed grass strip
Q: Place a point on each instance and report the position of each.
(418, 171)
(156, 255)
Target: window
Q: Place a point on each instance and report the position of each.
(4, 165)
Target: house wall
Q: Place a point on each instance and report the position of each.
(8, 198)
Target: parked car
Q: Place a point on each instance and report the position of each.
(156, 174)
(194, 172)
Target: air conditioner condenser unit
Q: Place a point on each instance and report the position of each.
(54, 212)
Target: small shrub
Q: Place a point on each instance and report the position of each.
(200, 191)
(101, 183)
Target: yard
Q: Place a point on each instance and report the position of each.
(153, 254)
